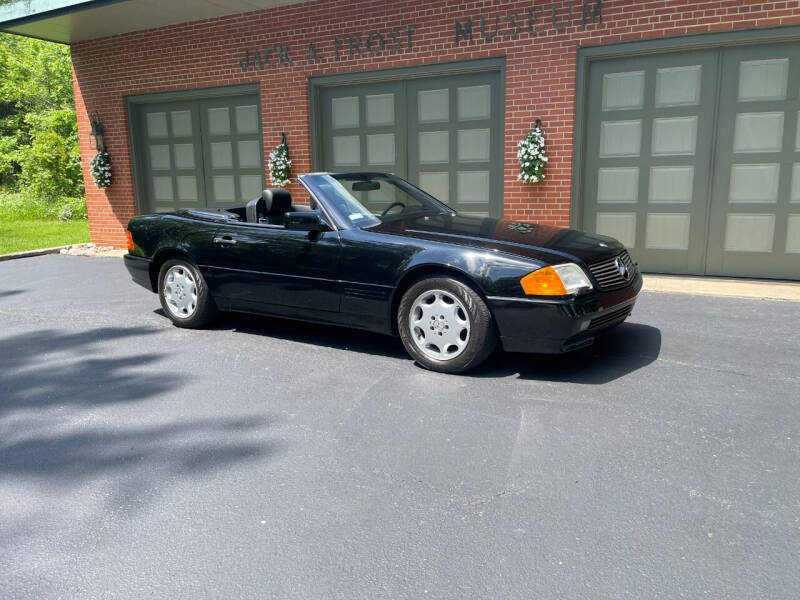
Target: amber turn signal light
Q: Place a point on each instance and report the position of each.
(130, 241)
(544, 282)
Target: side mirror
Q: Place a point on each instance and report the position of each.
(304, 221)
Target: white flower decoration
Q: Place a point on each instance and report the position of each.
(531, 156)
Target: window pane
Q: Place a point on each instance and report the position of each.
(620, 138)
(473, 187)
(157, 125)
(623, 90)
(621, 226)
(754, 183)
(187, 188)
(758, 132)
(793, 234)
(671, 184)
(474, 102)
(674, 136)
(184, 156)
(763, 79)
(162, 187)
(434, 146)
(221, 155)
(247, 119)
(678, 86)
(380, 109)
(667, 231)
(219, 121)
(436, 184)
(473, 145)
(795, 197)
(250, 154)
(797, 135)
(433, 106)
(346, 150)
(345, 112)
(380, 149)
(224, 188)
(749, 233)
(618, 185)
(159, 158)
(181, 123)
(251, 186)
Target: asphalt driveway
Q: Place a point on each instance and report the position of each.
(265, 458)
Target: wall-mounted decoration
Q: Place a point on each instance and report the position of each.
(100, 167)
(532, 156)
(280, 165)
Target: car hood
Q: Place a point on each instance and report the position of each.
(543, 243)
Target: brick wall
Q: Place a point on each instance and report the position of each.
(540, 75)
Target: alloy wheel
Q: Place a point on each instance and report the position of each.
(180, 291)
(439, 324)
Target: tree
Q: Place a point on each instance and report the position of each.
(39, 156)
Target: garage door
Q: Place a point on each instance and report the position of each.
(200, 154)
(693, 160)
(443, 134)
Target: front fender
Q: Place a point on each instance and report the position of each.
(493, 273)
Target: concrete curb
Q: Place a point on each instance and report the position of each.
(109, 254)
(29, 253)
(723, 287)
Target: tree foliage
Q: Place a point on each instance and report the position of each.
(39, 157)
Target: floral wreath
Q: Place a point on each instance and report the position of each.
(279, 164)
(100, 168)
(531, 155)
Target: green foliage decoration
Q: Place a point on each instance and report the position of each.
(280, 165)
(532, 156)
(100, 168)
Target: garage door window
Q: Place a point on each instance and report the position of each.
(200, 153)
(693, 159)
(442, 133)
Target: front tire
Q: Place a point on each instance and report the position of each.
(184, 294)
(445, 325)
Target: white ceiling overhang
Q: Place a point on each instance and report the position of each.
(70, 21)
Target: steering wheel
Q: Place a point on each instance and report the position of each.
(391, 206)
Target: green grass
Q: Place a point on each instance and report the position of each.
(20, 235)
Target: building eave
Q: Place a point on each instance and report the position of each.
(72, 21)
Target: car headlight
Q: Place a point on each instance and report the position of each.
(558, 280)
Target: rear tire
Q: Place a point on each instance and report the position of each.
(445, 325)
(184, 294)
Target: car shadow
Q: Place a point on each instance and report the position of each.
(56, 388)
(329, 336)
(616, 353)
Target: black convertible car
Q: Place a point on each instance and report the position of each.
(372, 251)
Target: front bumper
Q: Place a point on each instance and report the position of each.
(139, 268)
(552, 326)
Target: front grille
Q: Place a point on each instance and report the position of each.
(608, 318)
(607, 272)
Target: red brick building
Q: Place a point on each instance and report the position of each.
(671, 125)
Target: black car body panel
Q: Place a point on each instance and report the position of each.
(355, 276)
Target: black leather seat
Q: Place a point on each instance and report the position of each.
(256, 209)
(270, 207)
(278, 203)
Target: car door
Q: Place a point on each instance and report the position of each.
(267, 268)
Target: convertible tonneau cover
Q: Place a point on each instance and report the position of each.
(216, 214)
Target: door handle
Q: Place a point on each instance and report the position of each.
(225, 240)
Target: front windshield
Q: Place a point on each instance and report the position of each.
(366, 199)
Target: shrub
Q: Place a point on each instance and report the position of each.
(17, 206)
(40, 171)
